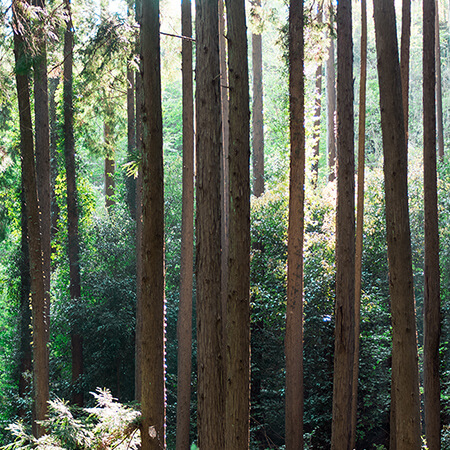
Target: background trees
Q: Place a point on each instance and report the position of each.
(107, 302)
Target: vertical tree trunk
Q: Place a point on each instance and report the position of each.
(432, 300)
(345, 235)
(257, 109)
(184, 326)
(359, 213)
(439, 120)
(72, 209)
(152, 287)
(210, 357)
(294, 306)
(317, 112)
(225, 172)
(42, 151)
(39, 318)
(26, 355)
(331, 110)
(110, 162)
(237, 417)
(405, 383)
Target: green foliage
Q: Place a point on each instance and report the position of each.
(107, 425)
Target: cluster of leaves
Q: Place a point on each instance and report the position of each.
(107, 425)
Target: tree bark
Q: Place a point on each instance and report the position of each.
(257, 109)
(345, 235)
(439, 119)
(432, 300)
(152, 287)
(359, 214)
(72, 209)
(405, 383)
(294, 306)
(210, 357)
(184, 326)
(237, 417)
(39, 318)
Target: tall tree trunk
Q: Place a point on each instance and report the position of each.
(294, 306)
(184, 326)
(345, 235)
(405, 383)
(210, 357)
(152, 288)
(42, 151)
(439, 119)
(317, 112)
(72, 209)
(237, 417)
(331, 109)
(110, 162)
(404, 59)
(359, 213)
(257, 109)
(26, 354)
(225, 172)
(432, 300)
(39, 318)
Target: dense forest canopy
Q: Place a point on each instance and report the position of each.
(99, 107)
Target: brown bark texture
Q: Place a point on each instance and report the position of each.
(152, 248)
(359, 213)
(294, 307)
(184, 325)
(345, 235)
(237, 410)
(210, 357)
(432, 301)
(405, 383)
(42, 152)
(225, 171)
(257, 112)
(39, 319)
(72, 209)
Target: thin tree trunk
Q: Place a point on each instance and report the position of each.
(152, 289)
(237, 417)
(359, 213)
(405, 382)
(294, 306)
(110, 163)
(210, 357)
(72, 209)
(26, 354)
(439, 119)
(317, 112)
(345, 235)
(331, 110)
(184, 326)
(39, 319)
(225, 172)
(257, 109)
(42, 152)
(432, 301)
